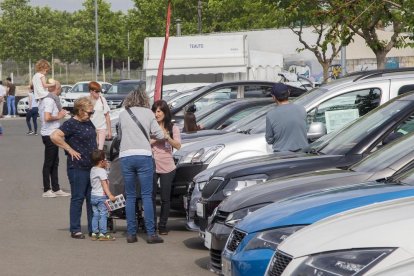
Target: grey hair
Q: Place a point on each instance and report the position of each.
(138, 97)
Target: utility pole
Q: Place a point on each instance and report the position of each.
(96, 42)
(199, 16)
(129, 64)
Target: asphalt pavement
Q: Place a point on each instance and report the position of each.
(34, 235)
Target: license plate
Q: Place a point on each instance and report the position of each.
(225, 267)
(185, 202)
(200, 210)
(207, 239)
(70, 104)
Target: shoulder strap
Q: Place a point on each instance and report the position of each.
(138, 123)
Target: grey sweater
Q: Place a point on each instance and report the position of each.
(132, 136)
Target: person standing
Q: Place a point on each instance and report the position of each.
(286, 127)
(136, 122)
(2, 97)
(32, 113)
(11, 98)
(50, 119)
(99, 194)
(100, 118)
(164, 162)
(77, 136)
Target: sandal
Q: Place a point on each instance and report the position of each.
(77, 235)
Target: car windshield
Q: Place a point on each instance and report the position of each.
(80, 88)
(122, 88)
(202, 113)
(347, 137)
(248, 122)
(386, 156)
(308, 98)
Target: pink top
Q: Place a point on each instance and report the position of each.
(162, 152)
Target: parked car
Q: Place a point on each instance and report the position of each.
(80, 89)
(361, 241)
(170, 90)
(254, 240)
(119, 90)
(329, 108)
(342, 149)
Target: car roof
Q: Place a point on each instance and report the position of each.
(130, 81)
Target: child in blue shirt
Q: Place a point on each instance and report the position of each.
(100, 193)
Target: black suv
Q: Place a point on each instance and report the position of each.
(116, 94)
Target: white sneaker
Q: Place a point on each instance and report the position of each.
(61, 193)
(7, 116)
(14, 116)
(49, 194)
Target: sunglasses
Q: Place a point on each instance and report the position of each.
(90, 113)
(97, 91)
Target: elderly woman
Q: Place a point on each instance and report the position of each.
(77, 136)
(136, 123)
(100, 118)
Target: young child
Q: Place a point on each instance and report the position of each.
(40, 85)
(100, 193)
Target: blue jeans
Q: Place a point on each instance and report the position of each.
(11, 105)
(80, 186)
(100, 214)
(138, 168)
(32, 114)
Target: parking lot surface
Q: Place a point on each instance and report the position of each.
(34, 231)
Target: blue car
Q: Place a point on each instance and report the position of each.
(255, 239)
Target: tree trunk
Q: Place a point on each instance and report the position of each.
(381, 59)
(325, 67)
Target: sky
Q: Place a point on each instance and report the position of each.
(73, 5)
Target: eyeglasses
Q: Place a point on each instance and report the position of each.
(90, 113)
(96, 91)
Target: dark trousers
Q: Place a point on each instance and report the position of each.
(50, 165)
(166, 180)
(32, 114)
(80, 188)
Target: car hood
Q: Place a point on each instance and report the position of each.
(314, 207)
(280, 165)
(386, 224)
(76, 95)
(278, 190)
(201, 134)
(114, 97)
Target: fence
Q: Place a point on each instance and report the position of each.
(67, 73)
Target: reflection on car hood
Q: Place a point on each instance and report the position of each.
(379, 225)
(201, 134)
(278, 190)
(314, 207)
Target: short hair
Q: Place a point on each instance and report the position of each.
(41, 65)
(81, 104)
(97, 156)
(138, 97)
(93, 85)
(8, 79)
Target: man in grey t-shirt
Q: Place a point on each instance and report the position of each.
(286, 128)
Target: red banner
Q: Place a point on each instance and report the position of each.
(158, 83)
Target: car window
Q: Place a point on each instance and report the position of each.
(80, 88)
(349, 136)
(257, 91)
(238, 116)
(119, 88)
(106, 86)
(223, 93)
(340, 110)
(249, 121)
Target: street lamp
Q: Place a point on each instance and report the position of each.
(96, 42)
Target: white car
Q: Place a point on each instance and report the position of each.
(363, 241)
(80, 89)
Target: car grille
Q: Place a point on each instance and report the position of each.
(215, 259)
(211, 187)
(278, 263)
(70, 100)
(114, 104)
(235, 239)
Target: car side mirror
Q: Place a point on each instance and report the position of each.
(316, 131)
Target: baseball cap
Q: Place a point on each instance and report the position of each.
(280, 90)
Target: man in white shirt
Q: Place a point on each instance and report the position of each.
(2, 95)
(50, 117)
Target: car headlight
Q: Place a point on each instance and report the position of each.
(201, 185)
(204, 155)
(349, 262)
(237, 184)
(238, 215)
(272, 238)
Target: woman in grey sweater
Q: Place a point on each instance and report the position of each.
(136, 160)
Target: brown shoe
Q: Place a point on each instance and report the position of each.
(154, 239)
